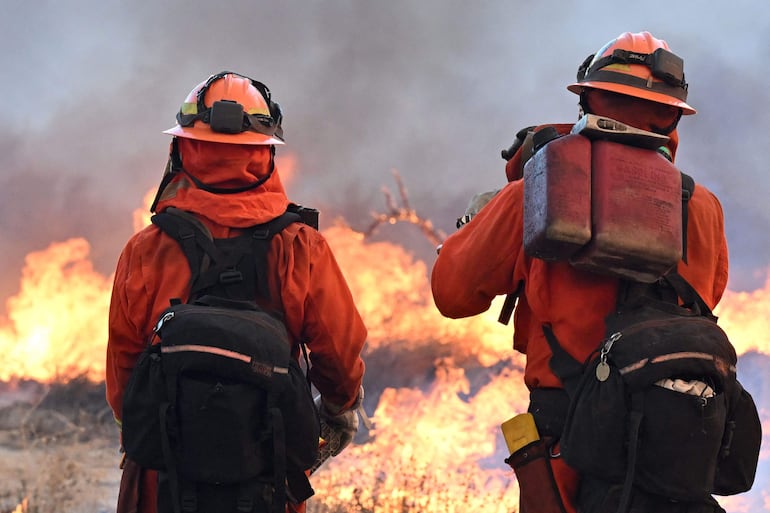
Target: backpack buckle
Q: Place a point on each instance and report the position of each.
(230, 276)
(261, 233)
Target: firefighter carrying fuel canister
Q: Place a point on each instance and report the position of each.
(636, 80)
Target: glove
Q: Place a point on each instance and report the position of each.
(477, 202)
(338, 427)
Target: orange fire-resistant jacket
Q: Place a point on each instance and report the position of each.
(305, 280)
(485, 258)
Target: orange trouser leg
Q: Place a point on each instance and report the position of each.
(567, 481)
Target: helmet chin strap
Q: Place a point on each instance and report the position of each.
(174, 167)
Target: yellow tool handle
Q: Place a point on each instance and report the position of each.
(519, 431)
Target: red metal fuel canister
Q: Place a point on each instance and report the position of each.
(557, 198)
(607, 207)
(636, 212)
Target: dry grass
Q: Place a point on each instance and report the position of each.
(72, 479)
(58, 453)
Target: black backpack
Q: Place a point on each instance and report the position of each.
(220, 406)
(628, 435)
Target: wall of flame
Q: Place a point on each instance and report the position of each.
(435, 446)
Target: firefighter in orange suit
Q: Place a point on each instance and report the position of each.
(485, 257)
(229, 181)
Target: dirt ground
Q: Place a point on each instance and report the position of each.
(68, 477)
(58, 449)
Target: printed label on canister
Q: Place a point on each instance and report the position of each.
(636, 205)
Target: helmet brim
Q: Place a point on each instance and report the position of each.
(653, 96)
(206, 134)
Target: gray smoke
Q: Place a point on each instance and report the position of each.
(433, 89)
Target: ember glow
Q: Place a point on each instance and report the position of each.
(435, 443)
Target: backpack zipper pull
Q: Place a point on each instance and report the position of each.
(162, 320)
(603, 368)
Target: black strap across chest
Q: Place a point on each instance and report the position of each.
(236, 267)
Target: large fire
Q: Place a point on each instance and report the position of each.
(435, 444)
(56, 325)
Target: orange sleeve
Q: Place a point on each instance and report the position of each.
(479, 261)
(707, 254)
(151, 270)
(126, 338)
(320, 312)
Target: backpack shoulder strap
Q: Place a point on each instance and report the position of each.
(566, 368)
(688, 188)
(209, 265)
(307, 215)
(257, 240)
(279, 223)
(690, 297)
(509, 305)
(190, 233)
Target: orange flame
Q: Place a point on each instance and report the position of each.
(286, 164)
(23, 506)
(745, 316)
(141, 216)
(57, 323)
(434, 449)
(428, 450)
(393, 294)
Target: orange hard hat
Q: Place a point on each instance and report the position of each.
(230, 108)
(639, 65)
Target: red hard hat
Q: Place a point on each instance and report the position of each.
(230, 108)
(639, 65)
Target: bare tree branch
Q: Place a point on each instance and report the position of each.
(403, 213)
